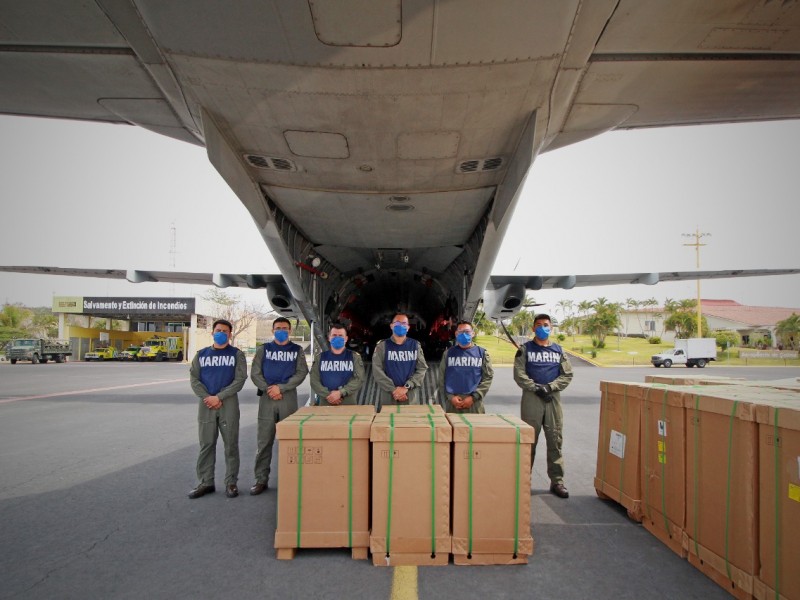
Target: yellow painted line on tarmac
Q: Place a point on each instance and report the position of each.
(92, 390)
(404, 583)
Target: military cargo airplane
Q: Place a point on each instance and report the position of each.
(417, 120)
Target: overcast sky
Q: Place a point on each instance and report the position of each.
(103, 196)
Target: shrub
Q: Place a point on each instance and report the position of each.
(727, 338)
(594, 353)
(654, 340)
(561, 337)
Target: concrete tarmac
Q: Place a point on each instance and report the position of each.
(96, 461)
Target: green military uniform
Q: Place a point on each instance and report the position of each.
(542, 414)
(349, 390)
(385, 384)
(223, 421)
(487, 374)
(272, 411)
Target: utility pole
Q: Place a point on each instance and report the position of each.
(697, 237)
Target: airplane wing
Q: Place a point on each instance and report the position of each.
(277, 293)
(388, 142)
(505, 294)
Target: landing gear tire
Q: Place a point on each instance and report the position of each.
(667, 363)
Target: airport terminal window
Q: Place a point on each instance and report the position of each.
(175, 327)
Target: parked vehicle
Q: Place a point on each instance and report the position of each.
(101, 354)
(37, 350)
(693, 352)
(162, 348)
(130, 353)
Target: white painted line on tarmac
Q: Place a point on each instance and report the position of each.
(92, 390)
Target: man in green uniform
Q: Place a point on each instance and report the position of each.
(542, 370)
(398, 365)
(465, 373)
(278, 368)
(217, 374)
(337, 374)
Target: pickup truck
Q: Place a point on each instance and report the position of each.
(693, 352)
(101, 354)
(37, 350)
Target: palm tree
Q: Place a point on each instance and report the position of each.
(788, 331)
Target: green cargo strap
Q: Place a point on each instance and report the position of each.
(696, 467)
(663, 466)
(389, 496)
(469, 490)
(728, 491)
(625, 433)
(646, 446)
(603, 451)
(433, 486)
(300, 460)
(777, 508)
(516, 488)
(350, 483)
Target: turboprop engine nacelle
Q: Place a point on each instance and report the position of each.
(504, 302)
(280, 298)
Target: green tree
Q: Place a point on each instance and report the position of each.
(44, 323)
(14, 316)
(522, 322)
(726, 338)
(483, 324)
(604, 320)
(788, 331)
(682, 318)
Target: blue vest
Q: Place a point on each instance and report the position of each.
(463, 371)
(280, 362)
(400, 360)
(335, 370)
(217, 368)
(542, 363)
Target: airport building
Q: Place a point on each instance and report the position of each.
(751, 322)
(91, 322)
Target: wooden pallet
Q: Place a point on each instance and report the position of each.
(739, 584)
(490, 559)
(673, 538)
(761, 591)
(606, 491)
(410, 559)
(357, 553)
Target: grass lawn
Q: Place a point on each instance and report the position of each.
(619, 352)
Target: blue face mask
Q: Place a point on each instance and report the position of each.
(400, 330)
(542, 332)
(337, 342)
(464, 338)
(281, 335)
(220, 338)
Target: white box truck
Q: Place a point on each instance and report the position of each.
(694, 352)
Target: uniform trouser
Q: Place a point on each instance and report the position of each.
(548, 416)
(212, 424)
(385, 398)
(476, 408)
(270, 412)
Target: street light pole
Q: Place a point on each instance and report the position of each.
(697, 236)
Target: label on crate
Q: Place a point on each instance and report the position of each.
(311, 455)
(662, 452)
(662, 428)
(616, 444)
(794, 492)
